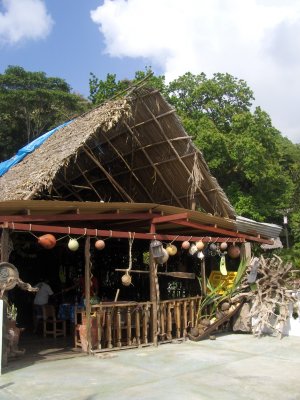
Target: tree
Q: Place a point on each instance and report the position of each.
(32, 103)
(102, 90)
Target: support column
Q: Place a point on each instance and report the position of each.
(4, 245)
(3, 308)
(87, 280)
(246, 251)
(153, 298)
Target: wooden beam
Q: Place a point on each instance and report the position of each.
(114, 183)
(169, 218)
(91, 186)
(179, 158)
(67, 186)
(77, 217)
(219, 231)
(141, 184)
(154, 166)
(125, 235)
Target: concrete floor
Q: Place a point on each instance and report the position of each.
(228, 368)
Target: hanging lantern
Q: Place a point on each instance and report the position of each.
(164, 258)
(156, 248)
(73, 245)
(99, 244)
(171, 249)
(234, 251)
(186, 245)
(223, 246)
(47, 241)
(193, 249)
(126, 279)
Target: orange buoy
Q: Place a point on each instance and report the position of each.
(47, 241)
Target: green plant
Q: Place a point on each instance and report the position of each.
(12, 312)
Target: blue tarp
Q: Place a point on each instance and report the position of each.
(29, 148)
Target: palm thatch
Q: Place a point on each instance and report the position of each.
(133, 149)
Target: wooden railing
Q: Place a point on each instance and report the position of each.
(174, 316)
(122, 324)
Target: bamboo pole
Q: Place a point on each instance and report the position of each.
(87, 279)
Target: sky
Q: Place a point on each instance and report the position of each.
(254, 40)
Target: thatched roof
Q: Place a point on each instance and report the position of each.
(133, 150)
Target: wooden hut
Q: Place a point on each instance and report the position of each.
(125, 171)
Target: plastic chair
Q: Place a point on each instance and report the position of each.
(52, 325)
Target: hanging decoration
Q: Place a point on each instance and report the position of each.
(73, 244)
(99, 244)
(126, 278)
(164, 258)
(223, 269)
(223, 246)
(185, 245)
(171, 249)
(200, 245)
(193, 249)
(234, 251)
(47, 241)
(200, 255)
(156, 249)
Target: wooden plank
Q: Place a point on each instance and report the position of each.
(215, 325)
(182, 275)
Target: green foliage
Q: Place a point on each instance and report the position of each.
(291, 255)
(102, 90)
(30, 104)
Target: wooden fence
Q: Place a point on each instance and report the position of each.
(129, 324)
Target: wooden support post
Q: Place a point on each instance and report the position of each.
(203, 278)
(153, 298)
(4, 245)
(246, 251)
(3, 310)
(87, 279)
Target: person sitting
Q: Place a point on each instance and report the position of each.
(41, 299)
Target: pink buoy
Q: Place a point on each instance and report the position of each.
(99, 244)
(185, 245)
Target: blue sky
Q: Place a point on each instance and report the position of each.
(254, 40)
(72, 49)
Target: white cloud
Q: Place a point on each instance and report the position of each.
(23, 19)
(254, 40)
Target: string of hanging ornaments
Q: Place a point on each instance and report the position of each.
(126, 278)
(197, 249)
(48, 241)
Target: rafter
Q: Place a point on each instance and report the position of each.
(154, 166)
(114, 183)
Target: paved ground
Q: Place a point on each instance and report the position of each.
(231, 367)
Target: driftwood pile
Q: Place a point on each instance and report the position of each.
(268, 297)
